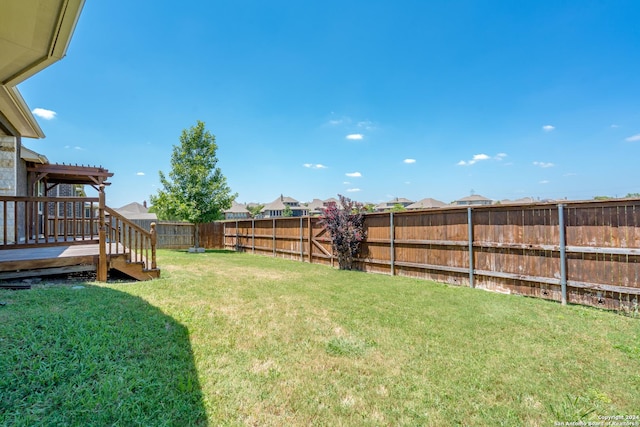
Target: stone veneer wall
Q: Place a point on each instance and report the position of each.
(9, 155)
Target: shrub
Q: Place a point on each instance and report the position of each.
(345, 224)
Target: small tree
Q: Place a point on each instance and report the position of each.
(287, 212)
(196, 191)
(370, 207)
(345, 225)
(255, 210)
(398, 207)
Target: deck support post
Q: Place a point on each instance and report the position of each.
(101, 275)
(154, 241)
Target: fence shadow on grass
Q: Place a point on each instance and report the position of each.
(94, 356)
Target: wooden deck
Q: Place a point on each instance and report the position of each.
(54, 235)
(50, 260)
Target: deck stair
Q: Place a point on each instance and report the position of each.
(134, 269)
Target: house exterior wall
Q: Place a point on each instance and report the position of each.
(9, 161)
(236, 215)
(63, 190)
(8, 165)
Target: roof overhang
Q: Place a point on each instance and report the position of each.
(33, 35)
(32, 157)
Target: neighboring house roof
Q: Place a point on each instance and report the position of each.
(134, 207)
(280, 204)
(315, 205)
(400, 200)
(473, 198)
(274, 206)
(426, 204)
(237, 208)
(33, 35)
(136, 210)
(287, 199)
(518, 201)
(391, 203)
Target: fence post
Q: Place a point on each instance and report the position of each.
(470, 229)
(301, 242)
(392, 237)
(253, 235)
(563, 254)
(310, 237)
(273, 232)
(237, 242)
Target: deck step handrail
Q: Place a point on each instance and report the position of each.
(127, 238)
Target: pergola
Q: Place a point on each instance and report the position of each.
(53, 174)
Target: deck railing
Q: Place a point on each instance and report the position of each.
(38, 221)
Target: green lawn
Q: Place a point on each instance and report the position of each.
(235, 339)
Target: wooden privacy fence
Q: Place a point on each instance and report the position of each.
(175, 235)
(578, 252)
(180, 235)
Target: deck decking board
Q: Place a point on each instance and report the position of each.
(38, 261)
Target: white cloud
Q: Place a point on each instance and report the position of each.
(633, 138)
(353, 190)
(409, 161)
(500, 156)
(476, 158)
(544, 181)
(353, 174)
(614, 126)
(544, 164)
(548, 128)
(335, 122)
(355, 136)
(44, 114)
(314, 166)
(366, 124)
(140, 174)
(346, 183)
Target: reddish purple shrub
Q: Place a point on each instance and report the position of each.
(345, 224)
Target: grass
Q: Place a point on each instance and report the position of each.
(235, 339)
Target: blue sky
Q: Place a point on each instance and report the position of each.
(370, 99)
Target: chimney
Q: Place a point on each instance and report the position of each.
(144, 203)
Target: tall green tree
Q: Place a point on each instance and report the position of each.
(195, 189)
